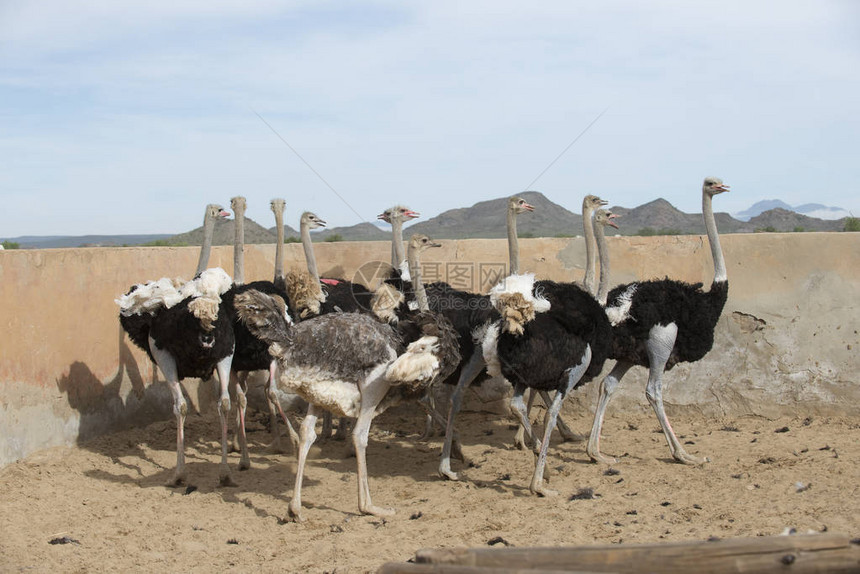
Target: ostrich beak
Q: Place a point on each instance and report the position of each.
(723, 187)
(321, 222)
(412, 214)
(610, 218)
(383, 216)
(224, 213)
(602, 202)
(434, 244)
(528, 207)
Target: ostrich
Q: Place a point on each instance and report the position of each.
(251, 353)
(214, 213)
(333, 294)
(589, 204)
(660, 323)
(354, 366)
(396, 216)
(552, 344)
(187, 332)
(471, 315)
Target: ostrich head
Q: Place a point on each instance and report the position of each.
(311, 220)
(277, 205)
(237, 204)
(216, 212)
(714, 185)
(519, 205)
(420, 242)
(593, 202)
(398, 212)
(605, 217)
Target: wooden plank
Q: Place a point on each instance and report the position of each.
(410, 568)
(820, 553)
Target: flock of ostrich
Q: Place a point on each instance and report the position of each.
(352, 351)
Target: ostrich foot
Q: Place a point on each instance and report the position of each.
(539, 489)
(245, 462)
(520, 440)
(446, 472)
(597, 457)
(381, 511)
(178, 479)
(226, 479)
(684, 458)
(295, 512)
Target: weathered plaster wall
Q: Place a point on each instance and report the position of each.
(786, 344)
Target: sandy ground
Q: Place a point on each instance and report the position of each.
(107, 499)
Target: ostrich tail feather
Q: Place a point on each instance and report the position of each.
(265, 316)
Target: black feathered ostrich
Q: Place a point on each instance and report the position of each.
(551, 337)
(471, 315)
(187, 331)
(352, 365)
(660, 323)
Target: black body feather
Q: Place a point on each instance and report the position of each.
(555, 341)
(665, 301)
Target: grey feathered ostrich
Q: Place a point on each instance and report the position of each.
(187, 331)
(660, 323)
(352, 365)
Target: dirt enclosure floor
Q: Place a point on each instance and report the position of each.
(105, 507)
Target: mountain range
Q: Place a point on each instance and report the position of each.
(486, 219)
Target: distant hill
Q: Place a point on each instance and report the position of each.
(360, 232)
(785, 220)
(224, 234)
(486, 219)
(60, 241)
(816, 210)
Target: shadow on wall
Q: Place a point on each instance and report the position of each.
(102, 406)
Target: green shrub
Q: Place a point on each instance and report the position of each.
(334, 237)
(852, 224)
(11, 245)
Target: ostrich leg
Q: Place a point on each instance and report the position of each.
(275, 409)
(608, 386)
(223, 369)
(468, 373)
(240, 383)
(661, 339)
(573, 376)
(167, 364)
(307, 436)
(373, 390)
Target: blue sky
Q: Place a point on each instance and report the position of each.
(130, 119)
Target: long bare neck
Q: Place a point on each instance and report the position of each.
(590, 249)
(206, 247)
(415, 273)
(239, 246)
(513, 243)
(397, 256)
(603, 255)
(279, 246)
(713, 239)
(308, 246)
